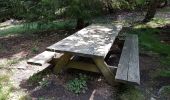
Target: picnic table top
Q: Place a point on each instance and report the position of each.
(94, 40)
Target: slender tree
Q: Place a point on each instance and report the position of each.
(151, 11)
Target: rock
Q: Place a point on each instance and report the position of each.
(153, 98)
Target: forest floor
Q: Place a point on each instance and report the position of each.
(20, 81)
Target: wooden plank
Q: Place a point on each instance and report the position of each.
(133, 73)
(123, 66)
(128, 68)
(62, 62)
(94, 40)
(42, 58)
(107, 73)
(83, 66)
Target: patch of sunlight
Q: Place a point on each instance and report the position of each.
(4, 63)
(156, 22)
(7, 27)
(5, 87)
(18, 95)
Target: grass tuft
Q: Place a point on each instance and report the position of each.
(129, 92)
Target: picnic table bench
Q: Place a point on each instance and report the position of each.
(94, 42)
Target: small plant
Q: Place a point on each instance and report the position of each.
(35, 49)
(78, 85)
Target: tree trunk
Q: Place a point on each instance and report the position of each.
(80, 23)
(151, 10)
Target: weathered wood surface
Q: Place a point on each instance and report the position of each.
(128, 68)
(94, 40)
(62, 62)
(105, 70)
(42, 58)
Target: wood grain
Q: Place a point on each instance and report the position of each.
(128, 68)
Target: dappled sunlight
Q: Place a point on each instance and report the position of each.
(6, 27)
(92, 40)
(20, 55)
(14, 59)
(155, 23)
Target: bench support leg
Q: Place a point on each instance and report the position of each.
(63, 61)
(107, 73)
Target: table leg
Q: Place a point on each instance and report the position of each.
(63, 60)
(107, 73)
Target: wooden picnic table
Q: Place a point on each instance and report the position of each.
(93, 41)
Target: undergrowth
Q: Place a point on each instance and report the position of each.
(78, 85)
(129, 92)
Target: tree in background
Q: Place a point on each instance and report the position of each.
(82, 10)
(151, 11)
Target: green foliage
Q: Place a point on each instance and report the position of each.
(123, 4)
(165, 61)
(78, 85)
(35, 49)
(164, 73)
(83, 9)
(32, 10)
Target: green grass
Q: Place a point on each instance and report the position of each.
(5, 87)
(34, 49)
(149, 41)
(34, 27)
(164, 73)
(129, 92)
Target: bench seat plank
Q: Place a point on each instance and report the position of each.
(128, 68)
(122, 70)
(42, 58)
(133, 74)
